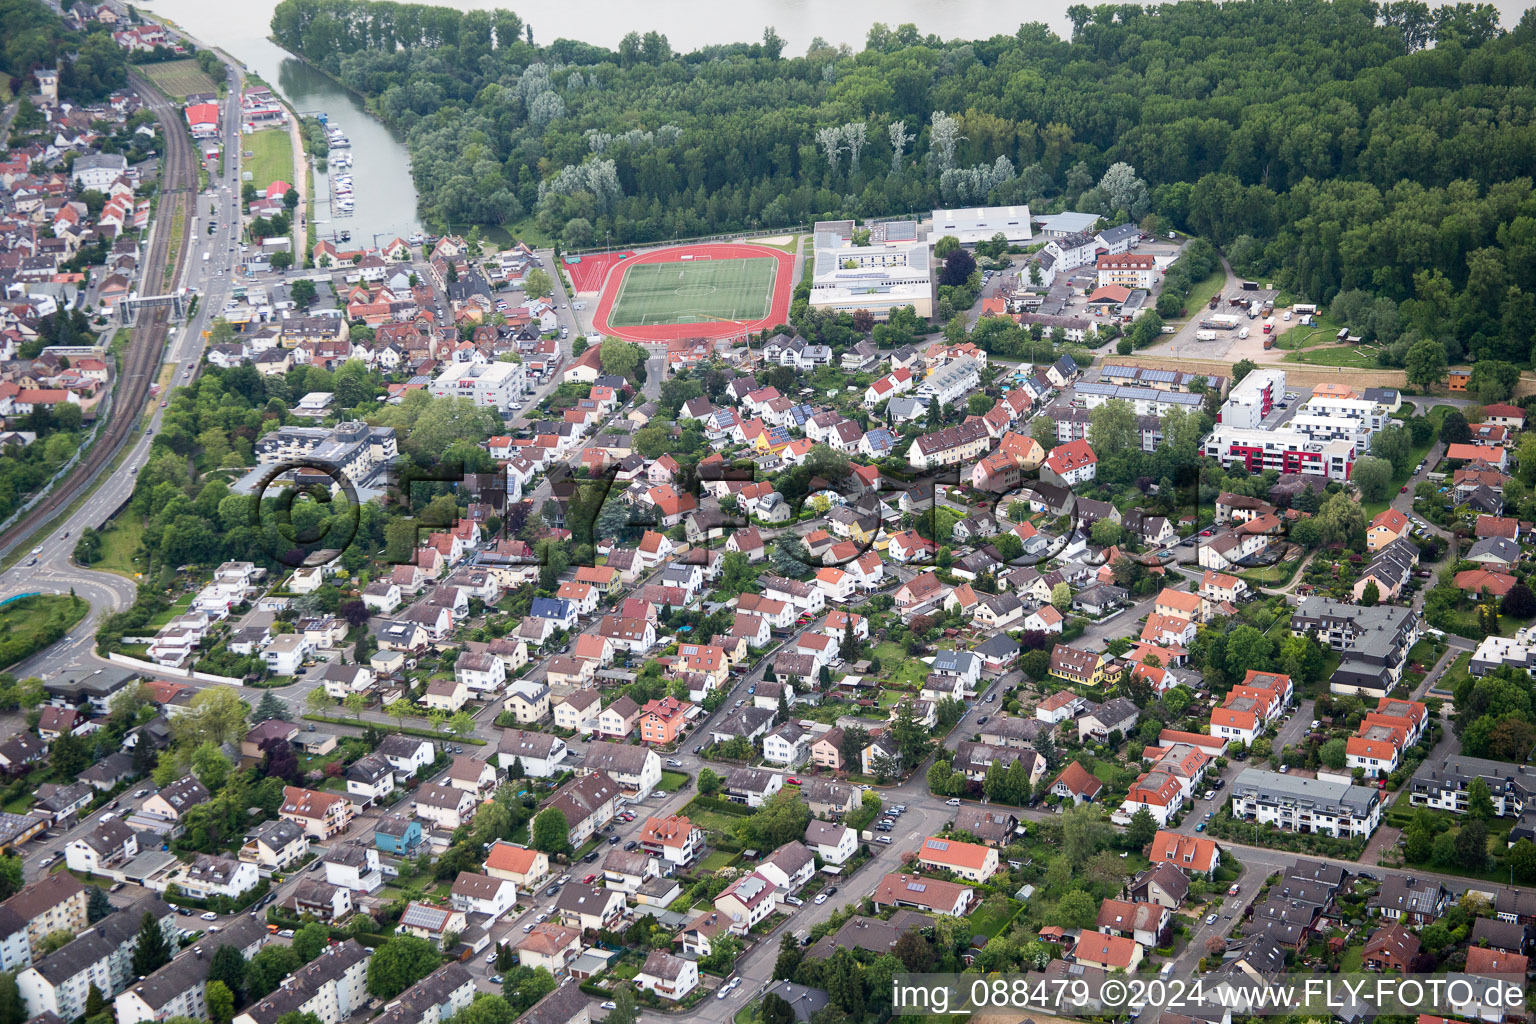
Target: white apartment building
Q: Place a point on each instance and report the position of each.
(353, 448)
(497, 384)
(1284, 450)
(1297, 803)
(955, 378)
(1253, 397)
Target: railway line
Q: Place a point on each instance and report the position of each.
(146, 346)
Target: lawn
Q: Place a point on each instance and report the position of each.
(1454, 673)
(718, 860)
(1200, 293)
(119, 544)
(1353, 357)
(1350, 961)
(699, 290)
(271, 157)
(992, 916)
(672, 781)
(1276, 575)
(29, 623)
(178, 79)
(714, 821)
(182, 604)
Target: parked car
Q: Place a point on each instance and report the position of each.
(209, 916)
(1210, 918)
(953, 801)
(794, 901)
(610, 1005)
(1232, 889)
(884, 840)
(821, 898)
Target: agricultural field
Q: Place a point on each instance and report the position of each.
(178, 79)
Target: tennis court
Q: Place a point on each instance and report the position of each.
(695, 290)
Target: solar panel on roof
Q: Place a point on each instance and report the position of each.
(1167, 375)
(938, 844)
(916, 887)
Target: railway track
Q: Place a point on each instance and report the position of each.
(146, 346)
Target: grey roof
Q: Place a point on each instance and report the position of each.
(748, 780)
(520, 743)
(370, 769)
(331, 965)
(184, 794)
(585, 899)
(108, 836)
(955, 662)
(396, 825)
(401, 746)
(277, 833)
(561, 1006)
(791, 857)
(434, 990)
(191, 966)
(802, 1000)
(617, 758)
(1000, 646)
(1119, 233)
(1501, 548)
(824, 833)
(1304, 792)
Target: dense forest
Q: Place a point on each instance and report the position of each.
(1339, 147)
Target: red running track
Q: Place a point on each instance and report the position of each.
(587, 276)
(778, 310)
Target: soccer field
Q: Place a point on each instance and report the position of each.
(694, 291)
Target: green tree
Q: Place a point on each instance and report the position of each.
(775, 1010)
(624, 1011)
(1083, 833)
(1373, 477)
(310, 940)
(1522, 860)
(152, 951)
(1369, 594)
(537, 285)
(1333, 753)
(709, 782)
(1076, 909)
(1141, 830)
(302, 292)
(1472, 844)
(228, 966)
(1424, 365)
(1479, 801)
(12, 1009)
(551, 831)
(400, 963)
(270, 707)
(220, 1000)
(1061, 597)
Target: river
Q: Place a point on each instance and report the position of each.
(385, 196)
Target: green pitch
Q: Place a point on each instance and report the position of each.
(693, 291)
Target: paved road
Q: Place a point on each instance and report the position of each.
(55, 571)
